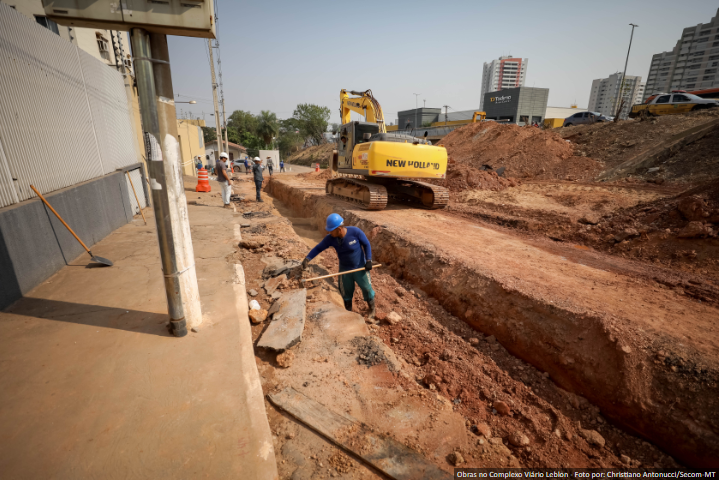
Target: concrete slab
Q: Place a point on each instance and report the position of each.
(95, 387)
(271, 285)
(288, 321)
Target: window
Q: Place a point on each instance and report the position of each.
(708, 77)
(710, 70)
(704, 32)
(664, 99)
(698, 54)
(692, 67)
(703, 39)
(47, 23)
(692, 79)
(680, 98)
(691, 86)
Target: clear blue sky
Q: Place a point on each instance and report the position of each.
(276, 54)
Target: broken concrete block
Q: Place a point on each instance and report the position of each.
(288, 322)
(276, 266)
(272, 284)
(252, 292)
(276, 295)
(393, 318)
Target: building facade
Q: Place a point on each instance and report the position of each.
(112, 47)
(605, 94)
(520, 105)
(504, 73)
(691, 65)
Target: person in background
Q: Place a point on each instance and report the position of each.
(207, 165)
(354, 252)
(282, 165)
(247, 165)
(198, 162)
(224, 179)
(270, 167)
(257, 174)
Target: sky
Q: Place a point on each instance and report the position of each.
(277, 54)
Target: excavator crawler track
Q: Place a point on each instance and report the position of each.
(369, 195)
(429, 196)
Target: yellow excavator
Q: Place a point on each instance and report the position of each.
(372, 165)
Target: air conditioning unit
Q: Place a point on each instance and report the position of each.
(102, 45)
(128, 63)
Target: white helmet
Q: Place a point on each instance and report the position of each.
(224, 154)
(257, 158)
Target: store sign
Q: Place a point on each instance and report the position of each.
(501, 100)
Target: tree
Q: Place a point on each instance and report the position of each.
(209, 134)
(312, 121)
(288, 141)
(241, 122)
(334, 127)
(267, 126)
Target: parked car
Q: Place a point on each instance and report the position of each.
(669, 104)
(586, 118)
(238, 166)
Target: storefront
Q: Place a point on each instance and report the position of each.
(521, 105)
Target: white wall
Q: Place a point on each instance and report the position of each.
(275, 154)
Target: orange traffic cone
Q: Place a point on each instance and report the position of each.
(203, 182)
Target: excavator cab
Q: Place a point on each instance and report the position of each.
(351, 135)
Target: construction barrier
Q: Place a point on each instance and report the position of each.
(203, 181)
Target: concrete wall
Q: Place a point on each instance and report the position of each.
(192, 144)
(34, 244)
(513, 103)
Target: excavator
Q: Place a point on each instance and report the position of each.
(372, 165)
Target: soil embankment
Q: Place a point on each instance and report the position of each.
(643, 352)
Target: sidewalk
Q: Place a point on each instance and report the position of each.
(94, 386)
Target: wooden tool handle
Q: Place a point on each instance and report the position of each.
(339, 273)
(136, 198)
(58, 216)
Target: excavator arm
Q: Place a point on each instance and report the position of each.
(364, 104)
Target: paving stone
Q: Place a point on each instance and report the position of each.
(288, 322)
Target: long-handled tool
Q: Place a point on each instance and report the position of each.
(138, 200)
(98, 259)
(337, 274)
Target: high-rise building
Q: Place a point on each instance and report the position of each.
(506, 72)
(691, 65)
(605, 98)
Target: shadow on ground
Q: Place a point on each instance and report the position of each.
(91, 315)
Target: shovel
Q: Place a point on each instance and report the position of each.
(97, 259)
(303, 281)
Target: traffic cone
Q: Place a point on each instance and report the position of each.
(203, 182)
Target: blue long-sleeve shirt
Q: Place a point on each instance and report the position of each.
(349, 249)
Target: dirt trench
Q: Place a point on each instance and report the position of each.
(662, 386)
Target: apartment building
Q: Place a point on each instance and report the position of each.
(506, 72)
(691, 65)
(111, 47)
(605, 94)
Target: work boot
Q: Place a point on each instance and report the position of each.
(372, 309)
(348, 305)
(228, 206)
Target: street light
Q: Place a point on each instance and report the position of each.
(416, 96)
(621, 86)
(190, 102)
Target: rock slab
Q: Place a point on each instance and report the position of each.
(288, 322)
(271, 285)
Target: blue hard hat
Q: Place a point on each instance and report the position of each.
(333, 222)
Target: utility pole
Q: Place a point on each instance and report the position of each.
(159, 123)
(218, 127)
(445, 113)
(416, 96)
(621, 86)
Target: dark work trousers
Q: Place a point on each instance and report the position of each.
(258, 186)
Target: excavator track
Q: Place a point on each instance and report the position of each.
(369, 195)
(430, 196)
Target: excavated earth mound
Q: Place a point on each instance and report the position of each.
(613, 143)
(461, 177)
(526, 152)
(311, 155)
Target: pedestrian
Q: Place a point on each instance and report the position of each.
(207, 165)
(198, 162)
(224, 179)
(270, 167)
(282, 166)
(354, 252)
(247, 165)
(257, 174)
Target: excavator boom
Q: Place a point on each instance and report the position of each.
(364, 104)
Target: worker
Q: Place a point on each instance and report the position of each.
(354, 252)
(257, 174)
(198, 162)
(247, 165)
(270, 167)
(223, 177)
(282, 166)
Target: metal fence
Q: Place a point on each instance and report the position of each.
(64, 115)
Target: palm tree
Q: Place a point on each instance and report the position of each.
(268, 126)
